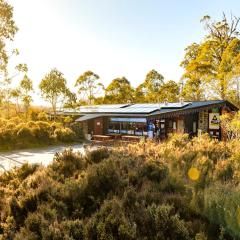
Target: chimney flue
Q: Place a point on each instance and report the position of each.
(165, 102)
(181, 101)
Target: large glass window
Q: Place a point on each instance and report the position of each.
(114, 127)
(124, 128)
(141, 129)
(127, 126)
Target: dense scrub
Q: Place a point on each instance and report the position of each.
(16, 133)
(179, 189)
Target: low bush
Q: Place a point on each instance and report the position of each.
(154, 171)
(95, 156)
(15, 133)
(25, 133)
(140, 191)
(65, 135)
(68, 162)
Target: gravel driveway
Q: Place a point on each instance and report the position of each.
(40, 155)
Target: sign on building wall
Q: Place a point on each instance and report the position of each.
(203, 121)
(214, 121)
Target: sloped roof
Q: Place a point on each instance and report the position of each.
(88, 117)
(195, 106)
(147, 109)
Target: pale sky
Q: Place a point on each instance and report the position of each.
(113, 38)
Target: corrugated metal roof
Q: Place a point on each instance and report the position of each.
(146, 108)
(88, 117)
(196, 105)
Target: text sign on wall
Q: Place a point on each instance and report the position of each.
(214, 121)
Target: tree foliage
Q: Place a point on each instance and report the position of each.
(26, 87)
(54, 89)
(8, 30)
(154, 89)
(149, 89)
(89, 86)
(211, 66)
(119, 91)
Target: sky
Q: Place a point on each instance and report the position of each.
(112, 38)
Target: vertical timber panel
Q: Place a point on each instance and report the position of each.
(203, 121)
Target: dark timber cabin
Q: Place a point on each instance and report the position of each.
(153, 120)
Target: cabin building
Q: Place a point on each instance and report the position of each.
(154, 120)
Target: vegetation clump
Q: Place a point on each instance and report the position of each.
(140, 191)
(16, 133)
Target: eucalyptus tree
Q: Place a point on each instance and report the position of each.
(209, 64)
(54, 89)
(148, 91)
(89, 86)
(119, 91)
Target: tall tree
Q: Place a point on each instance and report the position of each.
(26, 87)
(89, 86)
(54, 89)
(153, 81)
(231, 68)
(148, 91)
(119, 91)
(71, 101)
(193, 89)
(206, 70)
(16, 96)
(140, 94)
(8, 30)
(169, 91)
(7, 90)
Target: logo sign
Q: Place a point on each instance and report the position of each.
(214, 121)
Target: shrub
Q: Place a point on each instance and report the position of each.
(224, 170)
(78, 129)
(42, 131)
(65, 134)
(166, 223)
(95, 156)
(34, 224)
(154, 171)
(139, 191)
(26, 170)
(178, 140)
(25, 134)
(15, 133)
(7, 136)
(100, 180)
(110, 222)
(68, 230)
(221, 207)
(42, 116)
(68, 162)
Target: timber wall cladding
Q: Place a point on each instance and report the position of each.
(203, 121)
(85, 127)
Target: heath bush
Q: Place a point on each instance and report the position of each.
(139, 191)
(68, 162)
(65, 135)
(96, 155)
(154, 171)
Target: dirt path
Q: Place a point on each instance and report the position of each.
(40, 155)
